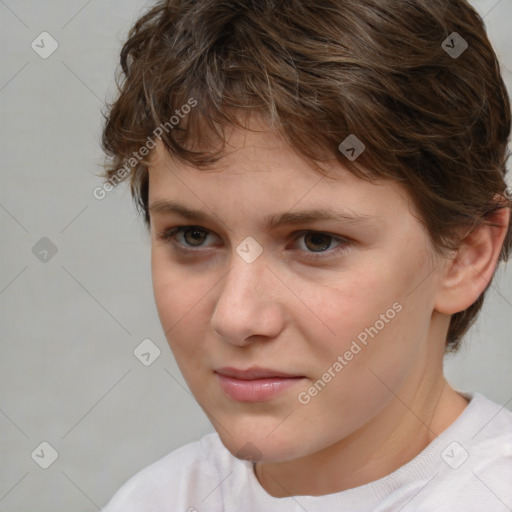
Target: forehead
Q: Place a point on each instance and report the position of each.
(259, 174)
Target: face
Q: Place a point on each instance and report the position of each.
(326, 314)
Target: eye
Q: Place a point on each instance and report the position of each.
(190, 239)
(317, 243)
(193, 236)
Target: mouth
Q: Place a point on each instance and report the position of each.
(255, 384)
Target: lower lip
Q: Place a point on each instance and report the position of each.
(257, 390)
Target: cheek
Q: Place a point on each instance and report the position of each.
(380, 329)
(178, 296)
(347, 307)
(166, 288)
(368, 319)
(347, 367)
(177, 288)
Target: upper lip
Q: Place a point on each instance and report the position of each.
(255, 372)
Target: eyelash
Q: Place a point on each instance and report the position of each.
(169, 236)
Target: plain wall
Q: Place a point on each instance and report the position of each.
(68, 375)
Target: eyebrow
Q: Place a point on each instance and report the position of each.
(273, 221)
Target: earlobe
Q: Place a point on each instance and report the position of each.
(471, 268)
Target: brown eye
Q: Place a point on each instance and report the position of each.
(185, 237)
(194, 236)
(314, 245)
(317, 242)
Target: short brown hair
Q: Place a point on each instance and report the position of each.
(319, 71)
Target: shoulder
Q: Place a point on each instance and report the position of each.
(476, 468)
(177, 481)
(488, 429)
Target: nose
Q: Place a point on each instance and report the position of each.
(247, 307)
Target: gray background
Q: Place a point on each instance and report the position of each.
(68, 375)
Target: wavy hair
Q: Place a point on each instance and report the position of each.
(320, 70)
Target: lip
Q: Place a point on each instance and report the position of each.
(255, 384)
(253, 373)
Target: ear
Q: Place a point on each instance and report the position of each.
(467, 275)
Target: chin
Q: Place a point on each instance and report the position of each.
(261, 447)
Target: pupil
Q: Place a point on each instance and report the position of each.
(316, 237)
(197, 234)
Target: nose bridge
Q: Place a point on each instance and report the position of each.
(245, 306)
(243, 284)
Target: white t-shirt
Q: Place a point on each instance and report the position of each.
(467, 468)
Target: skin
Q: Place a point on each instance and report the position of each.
(290, 313)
